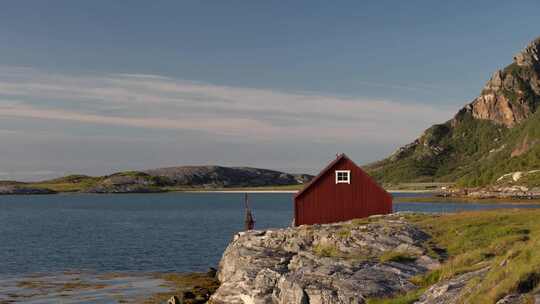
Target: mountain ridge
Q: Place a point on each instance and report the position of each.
(497, 126)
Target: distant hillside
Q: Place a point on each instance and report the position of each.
(163, 179)
(216, 176)
(496, 134)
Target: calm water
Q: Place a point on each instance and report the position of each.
(141, 232)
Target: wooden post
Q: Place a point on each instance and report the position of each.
(249, 221)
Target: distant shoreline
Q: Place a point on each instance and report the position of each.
(287, 191)
(234, 191)
(195, 190)
(411, 191)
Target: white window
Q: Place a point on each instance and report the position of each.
(343, 176)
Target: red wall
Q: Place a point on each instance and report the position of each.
(327, 202)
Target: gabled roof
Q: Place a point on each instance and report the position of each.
(322, 173)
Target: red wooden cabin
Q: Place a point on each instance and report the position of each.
(342, 191)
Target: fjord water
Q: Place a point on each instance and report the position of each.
(176, 232)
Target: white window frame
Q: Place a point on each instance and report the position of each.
(345, 181)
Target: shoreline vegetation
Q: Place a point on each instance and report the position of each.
(495, 251)
(466, 200)
(40, 189)
(117, 287)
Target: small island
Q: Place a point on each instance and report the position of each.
(184, 178)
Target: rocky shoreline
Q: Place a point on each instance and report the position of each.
(493, 192)
(24, 190)
(379, 260)
(397, 258)
(108, 287)
(347, 262)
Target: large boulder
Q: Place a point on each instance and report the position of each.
(335, 263)
(451, 291)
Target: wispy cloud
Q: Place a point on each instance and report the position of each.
(157, 102)
(28, 174)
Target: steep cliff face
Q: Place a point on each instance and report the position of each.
(490, 125)
(530, 56)
(512, 94)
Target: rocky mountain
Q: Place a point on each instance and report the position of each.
(495, 134)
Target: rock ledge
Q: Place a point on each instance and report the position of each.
(336, 263)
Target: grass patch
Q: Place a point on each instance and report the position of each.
(407, 298)
(396, 256)
(78, 183)
(506, 241)
(70, 183)
(201, 285)
(360, 221)
(344, 233)
(327, 250)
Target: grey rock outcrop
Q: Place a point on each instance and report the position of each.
(511, 95)
(174, 300)
(217, 176)
(23, 190)
(450, 291)
(513, 299)
(131, 182)
(335, 263)
(530, 56)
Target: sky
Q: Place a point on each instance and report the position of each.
(95, 87)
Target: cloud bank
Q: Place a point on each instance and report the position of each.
(156, 103)
(150, 101)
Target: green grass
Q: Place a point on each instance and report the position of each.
(71, 183)
(407, 298)
(364, 221)
(327, 250)
(198, 283)
(462, 144)
(506, 242)
(344, 233)
(77, 183)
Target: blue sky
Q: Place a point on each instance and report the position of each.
(98, 86)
